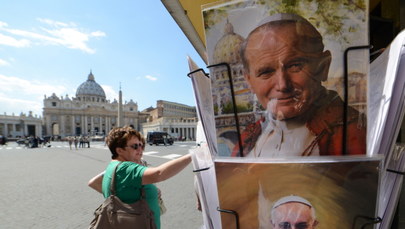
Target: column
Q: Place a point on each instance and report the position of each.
(92, 124)
(73, 123)
(38, 131)
(48, 125)
(62, 130)
(107, 124)
(2, 129)
(5, 129)
(84, 123)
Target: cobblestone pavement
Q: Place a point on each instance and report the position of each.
(47, 187)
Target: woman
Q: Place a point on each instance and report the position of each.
(127, 145)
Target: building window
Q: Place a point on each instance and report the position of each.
(54, 104)
(131, 109)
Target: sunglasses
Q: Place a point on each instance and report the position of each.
(136, 146)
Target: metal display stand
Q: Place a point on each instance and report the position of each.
(235, 110)
(372, 220)
(234, 213)
(346, 91)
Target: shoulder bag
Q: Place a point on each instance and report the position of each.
(113, 213)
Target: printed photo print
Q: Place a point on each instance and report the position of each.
(281, 195)
(277, 77)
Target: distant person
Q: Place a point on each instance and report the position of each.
(81, 141)
(70, 140)
(293, 212)
(34, 142)
(75, 141)
(284, 65)
(87, 140)
(3, 140)
(127, 145)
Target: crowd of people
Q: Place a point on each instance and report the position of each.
(78, 141)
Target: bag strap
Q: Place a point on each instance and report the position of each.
(143, 194)
(112, 184)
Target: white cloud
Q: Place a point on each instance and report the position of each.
(3, 24)
(56, 33)
(16, 106)
(30, 94)
(110, 93)
(11, 41)
(22, 86)
(4, 63)
(149, 77)
(52, 23)
(98, 34)
(71, 38)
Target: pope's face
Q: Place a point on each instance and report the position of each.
(293, 216)
(285, 70)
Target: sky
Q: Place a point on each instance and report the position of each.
(49, 46)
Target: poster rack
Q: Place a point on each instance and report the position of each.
(346, 91)
(235, 110)
(200, 170)
(198, 70)
(345, 100)
(232, 212)
(372, 220)
(394, 171)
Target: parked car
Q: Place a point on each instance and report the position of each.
(157, 138)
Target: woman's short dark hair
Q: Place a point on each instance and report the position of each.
(119, 137)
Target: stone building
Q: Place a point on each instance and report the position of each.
(13, 126)
(89, 113)
(179, 120)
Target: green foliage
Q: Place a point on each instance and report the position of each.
(244, 108)
(215, 109)
(337, 18)
(227, 108)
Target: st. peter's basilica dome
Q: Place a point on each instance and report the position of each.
(227, 48)
(90, 88)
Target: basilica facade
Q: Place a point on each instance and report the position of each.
(89, 113)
